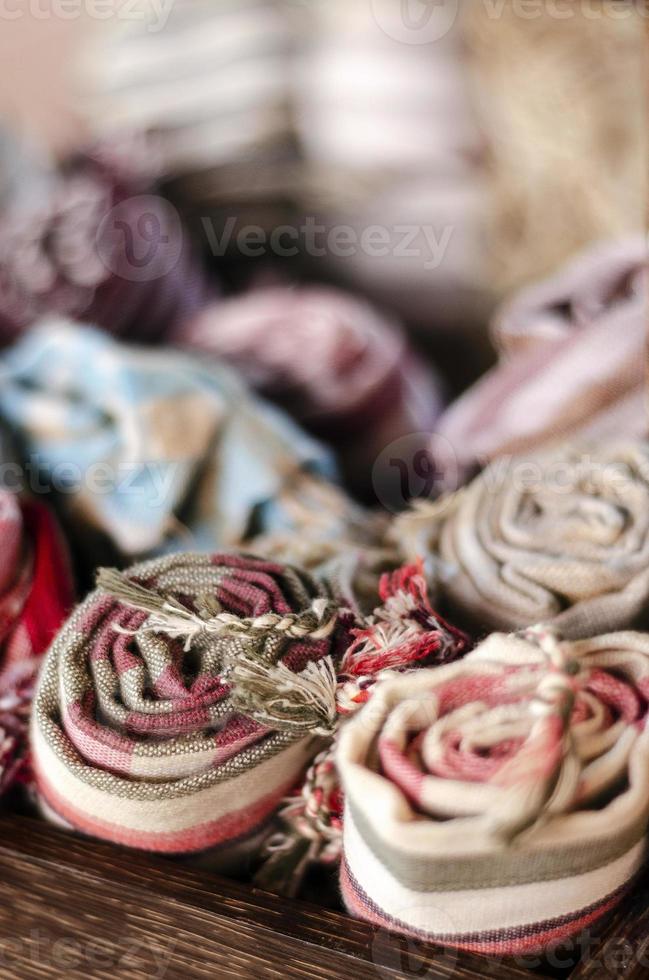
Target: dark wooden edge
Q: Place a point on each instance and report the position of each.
(70, 906)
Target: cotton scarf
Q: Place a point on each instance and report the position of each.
(36, 593)
(342, 370)
(149, 450)
(183, 699)
(572, 357)
(558, 537)
(500, 804)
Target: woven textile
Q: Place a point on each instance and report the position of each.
(166, 716)
(560, 537)
(341, 369)
(572, 361)
(89, 244)
(208, 86)
(150, 449)
(500, 804)
(35, 595)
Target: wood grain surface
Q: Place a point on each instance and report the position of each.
(72, 907)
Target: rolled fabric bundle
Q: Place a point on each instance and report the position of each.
(403, 633)
(557, 537)
(572, 361)
(208, 86)
(393, 152)
(500, 804)
(36, 593)
(149, 450)
(90, 245)
(183, 698)
(342, 370)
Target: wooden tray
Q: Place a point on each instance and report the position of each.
(72, 907)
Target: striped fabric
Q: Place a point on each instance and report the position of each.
(36, 593)
(500, 804)
(208, 85)
(558, 536)
(140, 734)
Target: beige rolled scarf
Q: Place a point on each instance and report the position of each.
(499, 804)
(558, 537)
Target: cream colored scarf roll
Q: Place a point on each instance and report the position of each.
(500, 804)
(559, 537)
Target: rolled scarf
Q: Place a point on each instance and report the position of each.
(207, 85)
(92, 246)
(341, 369)
(149, 450)
(500, 804)
(400, 160)
(183, 699)
(404, 633)
(558, 537)
(36, 593)
(572, 354)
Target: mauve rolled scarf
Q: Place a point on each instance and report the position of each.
(573, 355)
(341, 369)
(142, 733)
(150, 448)
(559, 537)
(36, 593)
(91, 244)
(500, 804)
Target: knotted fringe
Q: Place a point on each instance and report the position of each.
(171, 617)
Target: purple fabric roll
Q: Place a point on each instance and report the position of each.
(343, 371)
(88, 244)
(572, 362)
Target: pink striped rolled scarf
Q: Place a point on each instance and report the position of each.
(36, 593)
(500, 804)
(559, 537)
(183, 699)
(404, 633)
(572, 354)
(345, 372)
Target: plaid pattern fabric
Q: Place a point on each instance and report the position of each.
(138, 735)
(557, 537)
(35, 595)
(500, 804)
(572, 362)
(160, 451)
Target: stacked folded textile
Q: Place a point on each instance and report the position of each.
(500, 804)
(393, 151)
(208, 84)
(183, 699)
(572, 361)
(36, 594)
(85, 244)
(149, 449)
(557, 537)
(341, 369)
